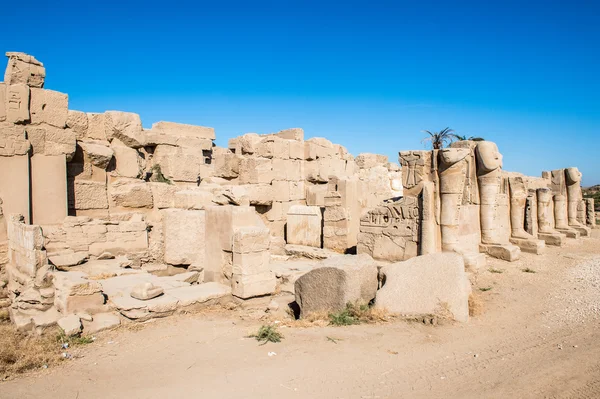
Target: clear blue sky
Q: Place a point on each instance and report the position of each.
(368, 75)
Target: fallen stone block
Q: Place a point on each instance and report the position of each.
(509, 253)
(101, 322)
(146, 291)
(71, 325)
(336, 282)
(428, 285)
(248, 286)
(64, 261)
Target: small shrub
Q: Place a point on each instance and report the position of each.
(267, 333)
(528, 270)
(498, 271)
(484, 289)
(343, 318)
(158, 176)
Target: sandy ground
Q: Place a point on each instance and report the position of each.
(539, 337)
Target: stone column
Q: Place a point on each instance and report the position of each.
(590, 213)
(559, 189)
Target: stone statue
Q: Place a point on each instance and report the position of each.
(545, 217)
(574, 197)
(495, 231)
(452, 172)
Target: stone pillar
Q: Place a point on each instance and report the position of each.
(428, 226)
(559, 189)
(495, 231)
(251, 275)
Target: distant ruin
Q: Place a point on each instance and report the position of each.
(103, 220)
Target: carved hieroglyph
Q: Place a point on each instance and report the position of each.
(391, 232)
(416, 167)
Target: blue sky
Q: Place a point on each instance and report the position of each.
(368, 75)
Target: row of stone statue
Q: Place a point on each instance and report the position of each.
(467, 204)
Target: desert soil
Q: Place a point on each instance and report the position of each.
(538, 337)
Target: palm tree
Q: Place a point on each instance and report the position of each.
(439, 139)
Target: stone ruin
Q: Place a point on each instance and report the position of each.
(103, 220)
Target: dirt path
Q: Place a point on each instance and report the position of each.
(539, 337)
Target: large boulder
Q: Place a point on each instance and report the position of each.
(434, 284)
(337, 281)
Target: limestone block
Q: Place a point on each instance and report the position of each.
(221, 222)
(245, 144)
(255, 170)
(132, 195)
(48, 189)
(275, 212)
(260, 194)
(14, 186)
(180, 129)
(318, 147)
(226, 163)
(434, 284)
(89, 195)
(315, 195)
(281, 190)
(101, 322)
(128, 162)
(96, 126)
(184, 235)
(49, 106)
(51, 140)
(335, 282)
(98, 152)
(146, 291)
(77, 121)
(125, 126)
(506, 252)
(248, 286)
(71, 325)
(154, 138)
(67, 260)
(91, 304)
(248, 239)
(163, 194)
(295, 133)
(193, 199)
(203, 144)
(179, 164)
(17, 103)
(252, 263)
(296, 150)
(24, 68)
(304, 225)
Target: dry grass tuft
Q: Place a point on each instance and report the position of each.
(475, 305)
(23, 352)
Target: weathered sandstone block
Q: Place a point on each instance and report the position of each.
(125, 126)
(336, 282)
(49, 106)
(180, 129)
(304, 225)
(24, 68)
(99, 153)
(434, 284)
(184, 236)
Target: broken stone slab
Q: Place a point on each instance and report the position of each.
(99, 153)
(125, 126)
(63, 262)
(101, 322)
(428, 285)
(70, 324)
(249, 286)
(336, 282)
(200, 293)
(509, 253)
(24, 68)
(180, 129)
(301, 251)
(146, 291)
(530, 245)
